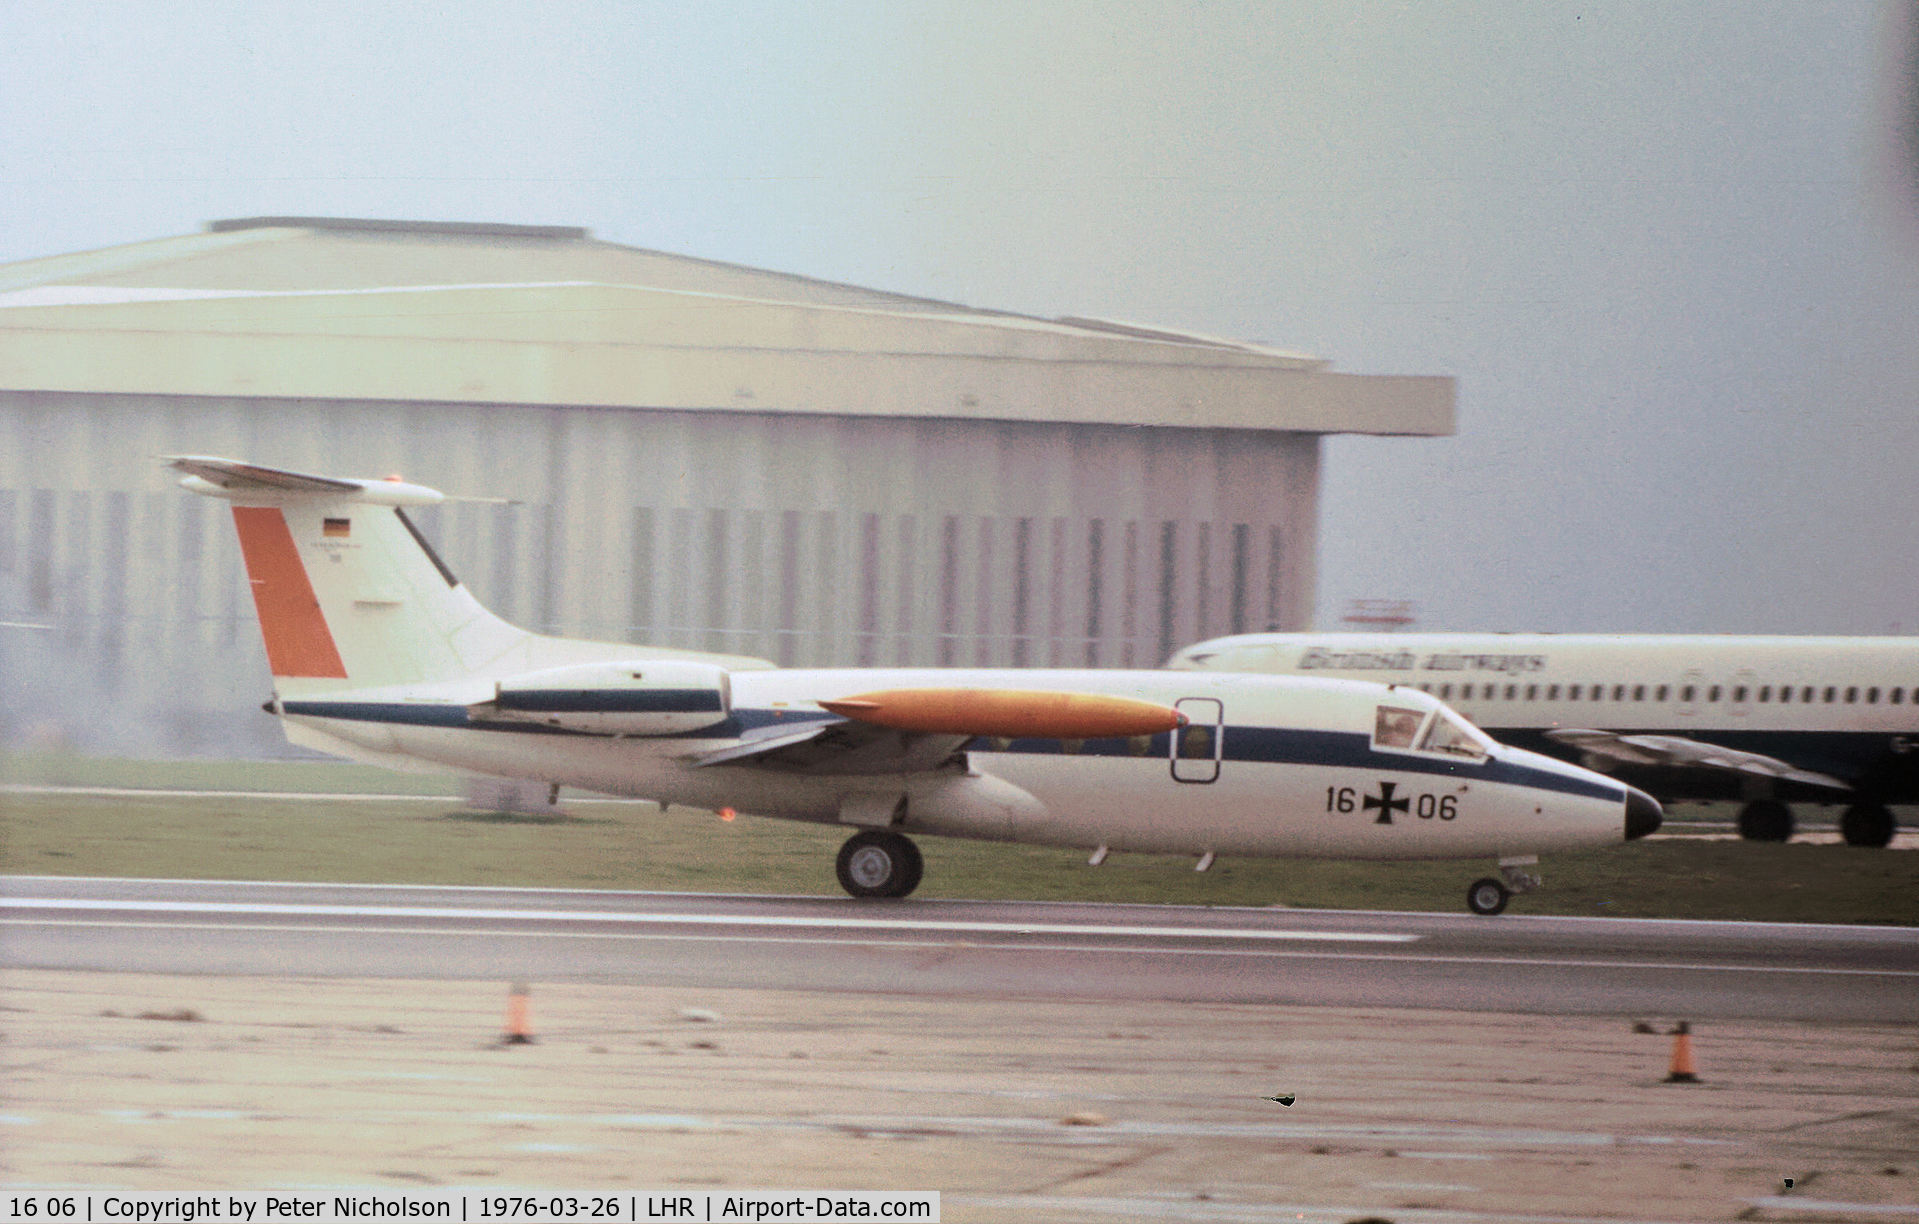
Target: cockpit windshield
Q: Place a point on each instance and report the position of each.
(1408, 729)
(1397, 727)
(1452, 736)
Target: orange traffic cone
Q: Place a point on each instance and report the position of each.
(1683, 1072)
(519, 1030)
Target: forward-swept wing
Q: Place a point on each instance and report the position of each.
(894, 731)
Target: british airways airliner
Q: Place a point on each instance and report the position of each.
(1767, 720)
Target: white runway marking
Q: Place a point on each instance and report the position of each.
(960, 944)
(158, 792)
(721, 920)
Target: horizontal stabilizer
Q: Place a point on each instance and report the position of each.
(1678, 751)
(1008, 713)
(232, 479)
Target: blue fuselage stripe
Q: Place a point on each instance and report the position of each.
(1249, 744)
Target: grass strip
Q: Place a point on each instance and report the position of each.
(635, 846)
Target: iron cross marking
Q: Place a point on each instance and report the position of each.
(1385, 803)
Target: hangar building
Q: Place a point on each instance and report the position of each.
(697, 455)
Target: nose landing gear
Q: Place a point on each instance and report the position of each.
(1489, 896)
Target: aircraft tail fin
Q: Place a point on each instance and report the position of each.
(349, 594)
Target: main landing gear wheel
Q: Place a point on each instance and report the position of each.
(1867, 824)
(877, 864)
(1487, 896)
(1765, 820)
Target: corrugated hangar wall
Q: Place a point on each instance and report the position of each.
(812, 540)
(699, 455)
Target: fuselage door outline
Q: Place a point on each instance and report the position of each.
(1198, 747)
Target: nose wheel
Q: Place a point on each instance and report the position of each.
(1487, 896)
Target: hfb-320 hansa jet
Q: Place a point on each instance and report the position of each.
(378, 653)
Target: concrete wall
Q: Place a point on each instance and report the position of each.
(808, 539)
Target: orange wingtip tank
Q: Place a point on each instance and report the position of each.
(1008, 713)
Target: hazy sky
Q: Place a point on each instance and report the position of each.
(1661, 245)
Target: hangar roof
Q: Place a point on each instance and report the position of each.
(335, 308)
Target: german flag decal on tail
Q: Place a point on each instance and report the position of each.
(298, 641)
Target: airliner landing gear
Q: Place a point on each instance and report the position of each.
(1867, 824)
(879, 864)
(1765, 820)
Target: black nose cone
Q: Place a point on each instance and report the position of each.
(1642, 814)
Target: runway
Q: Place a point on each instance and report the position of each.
(1545, 966)
(1032, 1062)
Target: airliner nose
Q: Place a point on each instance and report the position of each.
(1642, 814)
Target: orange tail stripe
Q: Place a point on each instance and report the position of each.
(295, 629)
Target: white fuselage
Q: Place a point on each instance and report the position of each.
(1284, 767)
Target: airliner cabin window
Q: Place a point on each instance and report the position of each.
(1897, 696)
(1872, 696)
(1785, 692)
(1396, 727)
(1852, 695)
(1712, 695)
(1572, 692)
(1638, 692)
(1454, 738)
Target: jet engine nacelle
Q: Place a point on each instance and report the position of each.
(637, 697)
